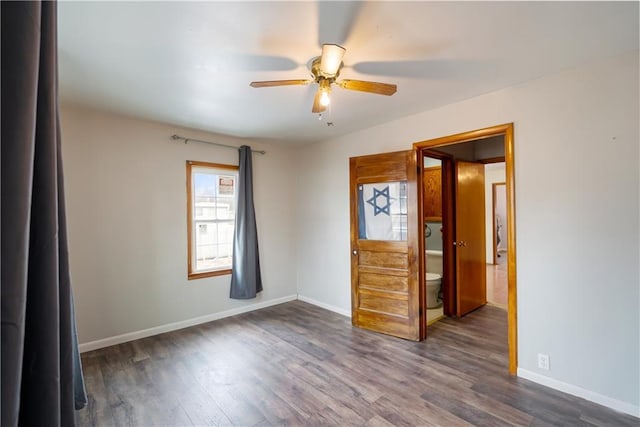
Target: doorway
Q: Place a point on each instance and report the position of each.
(497, 243)
(490, 145)
(499, 211)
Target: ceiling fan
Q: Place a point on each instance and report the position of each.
(325, 69)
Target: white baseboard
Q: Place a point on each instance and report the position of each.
(119, 339)
(589, 395)
(325, 306)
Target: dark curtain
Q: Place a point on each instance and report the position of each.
(246, 281)
(41, 372)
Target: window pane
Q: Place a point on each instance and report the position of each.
(214, 246)
(382, 211)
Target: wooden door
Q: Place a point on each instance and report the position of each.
(385, 294)
(432, 197)
(471, 280)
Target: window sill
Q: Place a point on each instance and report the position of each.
(202, 275)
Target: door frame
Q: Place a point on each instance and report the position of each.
(507, 131)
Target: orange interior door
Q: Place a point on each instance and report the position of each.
(471, 280)
(385, 294)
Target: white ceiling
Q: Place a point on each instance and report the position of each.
(190, 63)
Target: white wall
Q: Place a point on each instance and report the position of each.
(126, 199)
(576, 302)
(493, 172)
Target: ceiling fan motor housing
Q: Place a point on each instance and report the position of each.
(318, 74)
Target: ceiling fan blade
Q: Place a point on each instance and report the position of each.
(331, 59)
(371, 87)
(317, 106)
(271, 83)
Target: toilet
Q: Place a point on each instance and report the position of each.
(434, 281)
(434, 278)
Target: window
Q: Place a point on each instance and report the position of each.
(211, 211)
(382, 211)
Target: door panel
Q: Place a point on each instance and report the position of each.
(432, 195)
(385, 294)
(381, 301)
(470, 237)
(384, 259)
(384, 282)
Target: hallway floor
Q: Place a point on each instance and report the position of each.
(497, 282)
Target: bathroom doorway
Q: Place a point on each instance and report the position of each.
(434, 200)
(461, 290)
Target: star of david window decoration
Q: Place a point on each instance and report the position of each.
(381, 201)
(382, 211)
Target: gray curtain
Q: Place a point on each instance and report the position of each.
(41, 372)
(246, 281)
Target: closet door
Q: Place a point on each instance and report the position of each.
(385, 294)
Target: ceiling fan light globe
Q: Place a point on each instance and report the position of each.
(331, 59)
(324, 99)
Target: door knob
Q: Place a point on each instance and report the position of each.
(355, 252)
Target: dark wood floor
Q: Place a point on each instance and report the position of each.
(297, 364)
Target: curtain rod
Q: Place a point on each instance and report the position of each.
(174, 137)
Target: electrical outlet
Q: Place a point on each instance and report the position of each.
(543, 361)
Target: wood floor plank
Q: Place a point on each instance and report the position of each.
(297, 364)
(173, 377)
(461, 409)
(97, 408)
(379, 421)
(398, 415)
